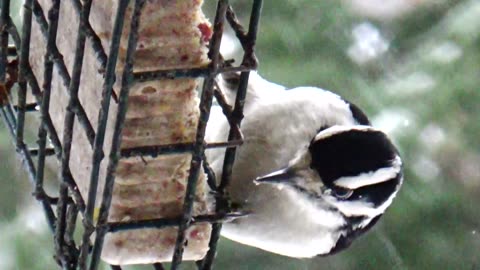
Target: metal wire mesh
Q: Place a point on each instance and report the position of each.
(63, 210)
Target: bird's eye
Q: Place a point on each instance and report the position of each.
(342, 193)
(233, 79)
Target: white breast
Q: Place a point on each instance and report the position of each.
(275, 128)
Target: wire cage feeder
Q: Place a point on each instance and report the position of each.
(63, 209)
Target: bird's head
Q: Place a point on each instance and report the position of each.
(353, 170)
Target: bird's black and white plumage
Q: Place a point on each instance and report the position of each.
(312, 171)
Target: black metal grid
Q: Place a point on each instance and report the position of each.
(69, 204)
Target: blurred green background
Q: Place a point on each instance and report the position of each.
(412, 65)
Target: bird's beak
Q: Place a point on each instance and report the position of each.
(283, 176)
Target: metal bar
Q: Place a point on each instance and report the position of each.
(117, 135)
(24, 57)
(45, 105)
(146, 76)
(47, 198)
(156, 150)
(47, 152)
(11, 118)
(98, 154)
(72, 214)
(246, 40)
(57, 56)
(11, 50)
(168, 149)
(169, 222)
(50, 127)
(211, 177)
(222, 101)
(35, 88)
(73, 89)
(105, 104)
(184, 73)
(228, 112)
(96, 44)
(237, 113)
(8, 122)
(235, 121)
(103, 115)
(237, 27)
(63, 72)
(61, 255)
(29, 166)
(4, 91)
(95, 40)
(199, 147)
(60, 248)
(158, 266)
(4, 9)
(30, 107)
(229, 144)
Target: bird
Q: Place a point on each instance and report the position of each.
(312, 172)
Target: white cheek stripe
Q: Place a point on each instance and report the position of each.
(333, 130)
(370, 178)
(361, 208)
